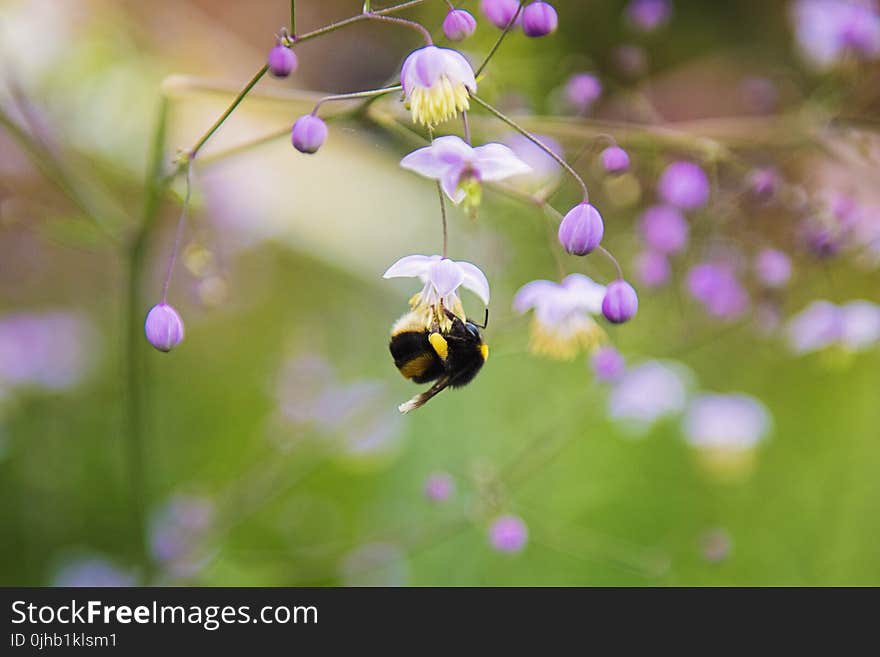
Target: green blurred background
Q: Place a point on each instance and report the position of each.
(284, 263)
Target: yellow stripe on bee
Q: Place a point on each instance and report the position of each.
(417, 366)
(440, 345)
(484, 349)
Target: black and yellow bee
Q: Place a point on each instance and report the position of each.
(451, 358)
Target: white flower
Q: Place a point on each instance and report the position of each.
(822, 324)
(436, 84)
(651, 391)
(455, 164)
(441, 278)
(725, 421)
(563, 322)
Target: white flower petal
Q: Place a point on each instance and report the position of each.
(446, 276)
(459, 69)
(474, 280)
(497, 162)
(449, 182)
(411, 265)
(584, 293)
(533, 294)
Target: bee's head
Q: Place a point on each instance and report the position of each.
(472, 329)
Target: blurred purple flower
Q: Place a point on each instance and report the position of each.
(664, 229)
(652, 269)
(92, 571)
(500, 12)
(607, 364)
(718, 289)
(358, 415)
(649, 392)
(508, 534)
(178, 530)
(439, 487)
(648, 15)
(581, 91)
(817, 326)
(829, 30)
(563, 323)
(50, 350)
(773, 268)
(764, 183)
(615, 159)
(684, 185)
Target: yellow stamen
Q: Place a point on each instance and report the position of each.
(564, 343)
(440, 102)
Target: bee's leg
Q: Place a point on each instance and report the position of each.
(424, 397)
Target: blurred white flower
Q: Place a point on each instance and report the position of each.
(649, 392)
(728, 421)
(563, 321)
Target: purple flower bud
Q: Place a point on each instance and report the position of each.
(582, 90)
(539, 19)
(615, 159)
(282, 61)
(653, 268)
(163, 328)
(648, 15)
(508, 534)
(607, 364)
(309, 133)
(439, 487)
(664, 229)
(684, 185)
(459, 24)
(763, 183)
(773, 268)
(499, 12)
(581, 229)
(620, 303)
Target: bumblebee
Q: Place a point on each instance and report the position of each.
(451, 357)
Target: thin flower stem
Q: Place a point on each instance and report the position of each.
(537, 142)
(135, 365)
(443, 218)
(406, 23)
(608, 255)
(179, 234)
(467, 128)
(500, 39)
(372, 93)
(297, 39)
(293, 17)
(229, 110)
